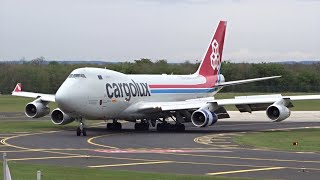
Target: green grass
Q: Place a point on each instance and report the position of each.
(308, 140)
(10, 103)
(21, 171)
(16, 104)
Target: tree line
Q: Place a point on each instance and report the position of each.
(39, 75)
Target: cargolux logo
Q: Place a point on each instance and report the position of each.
(127, 90)
(215, 56)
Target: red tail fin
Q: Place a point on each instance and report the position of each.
(211, 62)
(18, 88)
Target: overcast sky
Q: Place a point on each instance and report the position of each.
(176, 30)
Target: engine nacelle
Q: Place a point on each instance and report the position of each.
(278, 112)
(36, 109)
(58, 117)
(203, 118)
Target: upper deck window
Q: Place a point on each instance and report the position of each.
(77, 76)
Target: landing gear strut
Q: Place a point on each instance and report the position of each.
(115, 125)
(81, 129)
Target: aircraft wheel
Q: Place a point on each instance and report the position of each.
(84, 132)
(78, 131)
(181, 127)
(163, 126)
(137, 126)
(118, 126)
(146, 126)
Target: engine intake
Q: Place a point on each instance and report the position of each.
(36, 109)
(278, 113)
(203, 118)
(58, 117)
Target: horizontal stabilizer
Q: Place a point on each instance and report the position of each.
(230, 83)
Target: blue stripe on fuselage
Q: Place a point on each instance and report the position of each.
(168, 91)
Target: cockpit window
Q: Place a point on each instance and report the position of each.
(77, 76)
(100, 77)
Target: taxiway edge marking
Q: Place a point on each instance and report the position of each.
(246, 170)
(131, 164)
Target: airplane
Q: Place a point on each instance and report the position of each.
(154, 100)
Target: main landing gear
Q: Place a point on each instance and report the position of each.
(143, 126)
(170, 127)
(81, 129)
(165, 126)
(115, 126)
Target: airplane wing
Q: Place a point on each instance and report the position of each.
(243, 103)
(43, 97)
(229, 83)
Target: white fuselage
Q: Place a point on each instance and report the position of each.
(95, 93)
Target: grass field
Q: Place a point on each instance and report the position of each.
(16, 104)
(308, 140)
(21, 171)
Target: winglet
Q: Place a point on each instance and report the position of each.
(18, 88)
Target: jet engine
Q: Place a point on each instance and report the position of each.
(58, 117)
(203, 118)
(36, 109)
(278, 112)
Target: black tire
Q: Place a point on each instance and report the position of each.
(146, 126)
(181, 127)
(159, 127)
(136, 126)
(78, 131)
(109, 126)
(163, 126)
(118, 126)
(84, 132)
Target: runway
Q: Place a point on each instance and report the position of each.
(209, 151)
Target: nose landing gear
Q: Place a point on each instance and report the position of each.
(81, 129)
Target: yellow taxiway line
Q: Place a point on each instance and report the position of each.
(246, 170)
(131, 164)
(90, 141)
(51, 157)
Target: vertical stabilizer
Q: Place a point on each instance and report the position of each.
(211, 63)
